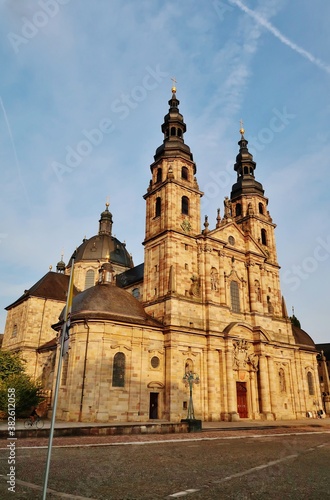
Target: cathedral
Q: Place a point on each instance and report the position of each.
(206, 304)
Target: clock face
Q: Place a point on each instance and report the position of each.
(186, 226)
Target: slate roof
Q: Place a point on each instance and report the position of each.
(50, 286)
(131, 276)
(302, 338)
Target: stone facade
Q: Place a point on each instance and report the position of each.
(209, 303)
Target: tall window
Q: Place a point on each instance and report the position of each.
(238, 209)
(184, 173)
(263, 237)
(310, 383)
(118, 372)
(14, 332)
(159, 175)
(158, 209)
(185, 205)
(261, 208)
(281, 377)
(234, 295)
(89, 279)
(189, 366)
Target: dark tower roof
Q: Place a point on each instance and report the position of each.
(245, 167)
(173, 129)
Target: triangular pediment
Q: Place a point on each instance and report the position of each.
(232, 236)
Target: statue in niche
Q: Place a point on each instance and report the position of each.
(214, 279)
(195, 286)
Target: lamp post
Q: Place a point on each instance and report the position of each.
(189, 379)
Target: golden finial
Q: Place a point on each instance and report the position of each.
(173, 86)
(107, 203)
(241, 129)
(50, 267)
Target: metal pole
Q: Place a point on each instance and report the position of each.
(58, 376)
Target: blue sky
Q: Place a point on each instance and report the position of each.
(84, 87)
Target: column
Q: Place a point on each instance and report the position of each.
(231, 385)
(272, 385)
(264, 387)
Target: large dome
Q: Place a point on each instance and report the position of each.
(103, 246)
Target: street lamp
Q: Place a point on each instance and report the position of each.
(189, 379)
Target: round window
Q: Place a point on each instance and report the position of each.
(231, 240)
(155, 362)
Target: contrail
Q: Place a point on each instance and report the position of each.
(266, 24)
(15, 153)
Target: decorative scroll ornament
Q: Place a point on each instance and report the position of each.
(186, 226)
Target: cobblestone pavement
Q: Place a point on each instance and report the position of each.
(275, 462)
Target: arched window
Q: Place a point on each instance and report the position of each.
(172, 130)
(310, 383)
(263, 237)
(118, 372)
(238, 209)
(158, 209)
(136, 293)
(189, 366)
(281, 379)
(184, 173)
(185, 205)
(159, 175)
(179, 132)
(89, 279)
(246, 170)
(261, 208)
(234, 295)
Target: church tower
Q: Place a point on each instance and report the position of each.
(248, 203)
(172, 214)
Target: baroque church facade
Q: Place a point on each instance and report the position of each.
(206, 302)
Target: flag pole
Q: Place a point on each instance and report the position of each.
(58, 375)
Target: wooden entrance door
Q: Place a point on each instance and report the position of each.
(153, 408)
(241, 390)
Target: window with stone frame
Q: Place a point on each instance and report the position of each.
(14, 332)
(89, 279)
(118, 372)
(234, 296)
(310, 383)
(281, 378)
(158, 207)
(185, 205)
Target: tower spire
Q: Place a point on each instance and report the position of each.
(245, 167)
(173, 129)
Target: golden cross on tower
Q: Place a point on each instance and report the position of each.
(174, 86)
(241, 129)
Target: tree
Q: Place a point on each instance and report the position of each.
(16, 383)
(10, 364)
